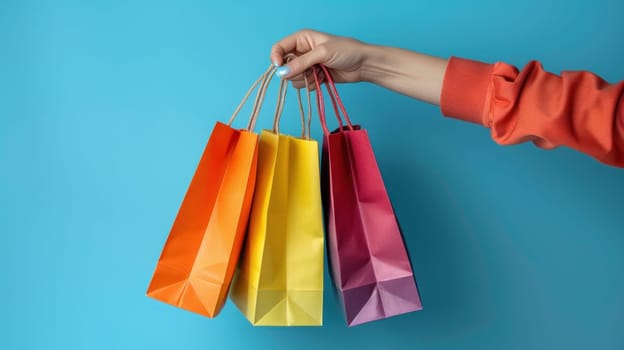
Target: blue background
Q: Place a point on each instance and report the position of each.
(105, 107)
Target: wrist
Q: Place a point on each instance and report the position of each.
(374, 64)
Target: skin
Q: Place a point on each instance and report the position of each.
(413, 74)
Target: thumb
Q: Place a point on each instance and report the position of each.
(300, 64)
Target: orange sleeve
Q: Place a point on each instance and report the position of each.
(577, 109)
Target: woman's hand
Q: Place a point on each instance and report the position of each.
(344, 56)
(349, 60)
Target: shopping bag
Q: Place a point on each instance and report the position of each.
(370, 266)
(280, 280)
(200, 255)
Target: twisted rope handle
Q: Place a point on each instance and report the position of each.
(335, 98)
(264, 81)
(281, 98)
(305, 132)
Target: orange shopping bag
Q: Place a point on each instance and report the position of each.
(199, 258)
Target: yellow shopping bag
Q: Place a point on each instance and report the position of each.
(280, 278)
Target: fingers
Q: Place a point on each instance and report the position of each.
(300, 64)
(295, 42)
(281, 48)
(299, 42)
(309, 49)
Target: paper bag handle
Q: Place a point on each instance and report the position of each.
(264, 81)
(335, 98)
(281, 99)
(305, 130)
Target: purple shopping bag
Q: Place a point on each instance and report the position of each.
(369, 262)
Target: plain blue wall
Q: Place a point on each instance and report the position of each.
(105, 107)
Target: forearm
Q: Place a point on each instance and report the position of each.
(413, 74)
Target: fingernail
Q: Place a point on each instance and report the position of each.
(282, 71)
(275, 63)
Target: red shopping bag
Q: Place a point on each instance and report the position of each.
(369, 261)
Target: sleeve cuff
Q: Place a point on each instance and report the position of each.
(465, 89)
